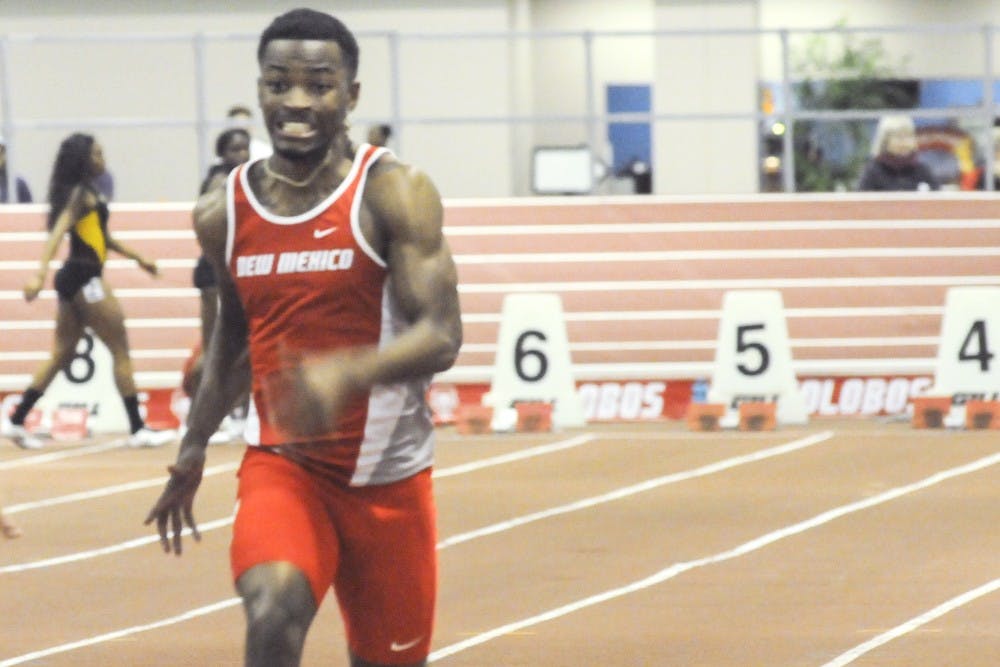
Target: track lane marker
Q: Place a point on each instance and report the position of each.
(519, 455)
(49, 457)
(634, 489)
(456, 539)
(914, 623)
(119, 634)
(105, 491)
(740, 550)
(225, 521)
(106, 551)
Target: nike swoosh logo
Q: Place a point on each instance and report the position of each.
(320, 233)
(403, 647)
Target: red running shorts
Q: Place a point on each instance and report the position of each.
(376, 545)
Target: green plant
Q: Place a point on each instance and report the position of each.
(839, 71)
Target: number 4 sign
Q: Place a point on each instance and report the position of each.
(970, 331)
(753, 358)
(533, 361)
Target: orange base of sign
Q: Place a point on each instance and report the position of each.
(982, 415)
(930, 411)
(758, 416)
(705, 416)
(473, 419)
(534, 417)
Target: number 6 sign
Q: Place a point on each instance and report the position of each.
(753, 358)
(532, 360)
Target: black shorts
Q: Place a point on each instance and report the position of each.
(204, 274)
(73, 275)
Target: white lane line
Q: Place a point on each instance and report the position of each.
(38, 459)
(228, 467)
(618, 228)
(542, 258)
(635, 345)
(601, 286)
(455, 539)
(110, 490)
(223, 522)
(105, 551)
(743, 549)
(138, 353)
(914, 623)
(119, 634)
(519, 455)
(634, 489)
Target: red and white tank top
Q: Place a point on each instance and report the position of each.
(311, 282)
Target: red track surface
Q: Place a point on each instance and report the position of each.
(640, 545)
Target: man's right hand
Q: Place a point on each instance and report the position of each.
(176, 503)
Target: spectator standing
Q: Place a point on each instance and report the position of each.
(232, 148)
(242, 117)
(22, 191)
(378, 135)
(894, 164)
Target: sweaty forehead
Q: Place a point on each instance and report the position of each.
(309, 53)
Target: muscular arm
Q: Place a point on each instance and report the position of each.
(226, 374)
(407, 206)
(405, 210)
(225, 377)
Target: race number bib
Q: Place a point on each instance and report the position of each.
(93, 291)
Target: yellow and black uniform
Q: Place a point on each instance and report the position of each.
(88, 238)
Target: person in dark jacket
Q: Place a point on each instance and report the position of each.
(22, 193)
(894, 165)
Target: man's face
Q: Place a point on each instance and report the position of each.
(237, 151)
(305, 93)
(901, 142)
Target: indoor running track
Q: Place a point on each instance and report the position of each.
(841, 543)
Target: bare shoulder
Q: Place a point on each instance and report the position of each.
(210, 220)
(80, 202)
(404, 199)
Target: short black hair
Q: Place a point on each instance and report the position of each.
(305, 23)
(223, 140)
(239, 110)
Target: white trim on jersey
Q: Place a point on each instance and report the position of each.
(386, 402)
(231, 211)
(262, 211)
(359, 238)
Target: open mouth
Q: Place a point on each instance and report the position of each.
(296, 129)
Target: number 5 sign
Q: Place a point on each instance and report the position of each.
(970, 333)
(532, 361)
(753, 358)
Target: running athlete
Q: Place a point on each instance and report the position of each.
(333, 269)
(85, 299)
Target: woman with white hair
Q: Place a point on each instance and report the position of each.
(894, 165)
